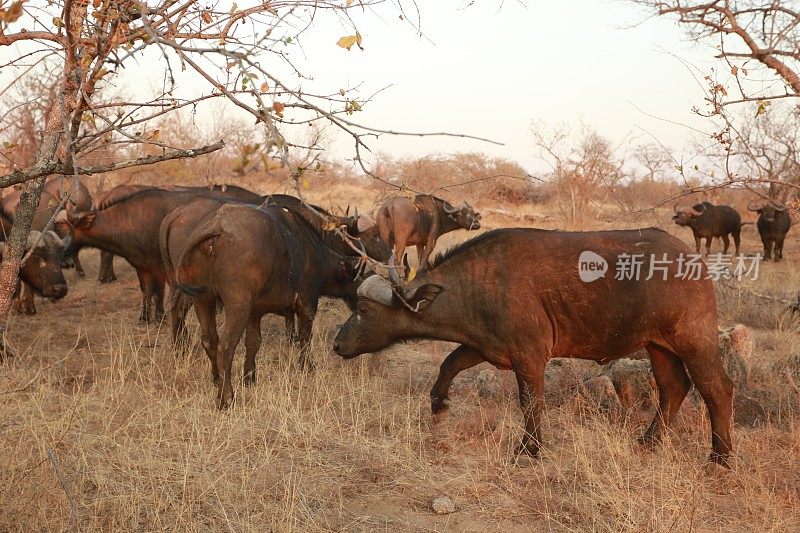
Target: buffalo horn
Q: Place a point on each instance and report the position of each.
(449, 209)
(376, 289)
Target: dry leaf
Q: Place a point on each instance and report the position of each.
(264, 87)
(206, 16)
(347, 41)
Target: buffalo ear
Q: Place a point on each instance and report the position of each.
(424, 296)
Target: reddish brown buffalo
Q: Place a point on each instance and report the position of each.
(180, 222)
(420, 222)
(255, 261)
(515, 298)
(128, 227)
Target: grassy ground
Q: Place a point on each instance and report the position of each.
(103, 426)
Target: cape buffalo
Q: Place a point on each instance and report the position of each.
(255, 261)
(41, 273)
(517, 297)
(709, 221)
(176, 227)
(420, 222)
(120, 192)
(773, 225)
(128, 227)
(74, 196)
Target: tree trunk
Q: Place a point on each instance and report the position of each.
(28, 204)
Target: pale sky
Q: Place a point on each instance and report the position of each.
(489, 71)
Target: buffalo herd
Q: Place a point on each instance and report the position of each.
(509, 297)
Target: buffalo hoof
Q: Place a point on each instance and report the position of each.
(216, 380)
(440, 405)
(249, 379)
(107, 279)
(525, 454)
(80, 273)
(226, 402)
(29, 310)
(720, 459)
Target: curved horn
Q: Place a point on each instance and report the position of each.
(755, 205)
(347, 211)
(697, 212)
(377, 289)
(449, 209)
(677, 208)
(778, 206)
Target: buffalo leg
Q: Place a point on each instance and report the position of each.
(179, 305)
(767, 249)
(708, 375)
(26, 299)
(737, 239)
(673, 385)
(144, 286)
(726, 241)
(78, 266)
(779, 248)
(206, 312)
(157, 290)
(708, 245)
(252, 342)
(530, 380)
(236, 318)
(459, 360)
(305, 324)
(423, 253)
(698, 240)
(106, 274)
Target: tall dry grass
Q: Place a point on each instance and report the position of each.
(103, 426)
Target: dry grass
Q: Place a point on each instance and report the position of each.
(103, 426)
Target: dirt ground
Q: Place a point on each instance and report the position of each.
(104, 426)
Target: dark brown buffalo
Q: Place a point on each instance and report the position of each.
(514, 298)
(48, 204)
(773, 225)
(106, 273)
(74, 196)
(41, 273)
(709, 221)
(128, 227)
(403, 222)
(178, 224)
(112, 196)
(255, 261)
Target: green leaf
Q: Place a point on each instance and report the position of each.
(9, 145)
(57, 22)
(762, 107)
